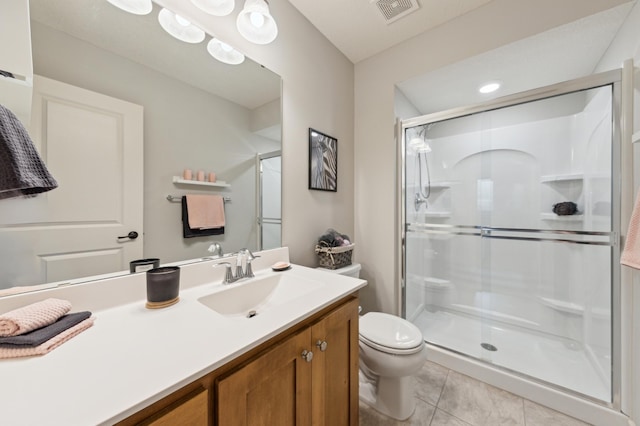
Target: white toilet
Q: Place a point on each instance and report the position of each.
(391, 351)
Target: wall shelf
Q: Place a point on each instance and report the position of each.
(218, 184)
(635, 138)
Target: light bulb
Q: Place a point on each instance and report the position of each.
(182, 21)
(489, 87)
(257, 19)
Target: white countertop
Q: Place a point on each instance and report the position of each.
(134, 356)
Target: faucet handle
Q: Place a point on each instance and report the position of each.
(249, 272)
(228, 275)
(247, 252)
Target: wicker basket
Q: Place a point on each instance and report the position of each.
(334, 257)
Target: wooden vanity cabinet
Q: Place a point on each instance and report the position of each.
(311, 378)
(275, 384)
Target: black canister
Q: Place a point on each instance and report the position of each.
(163, 286)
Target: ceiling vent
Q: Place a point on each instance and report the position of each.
(392, 10)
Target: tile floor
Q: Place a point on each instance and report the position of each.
(447, 398)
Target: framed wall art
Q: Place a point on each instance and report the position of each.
(323, 161)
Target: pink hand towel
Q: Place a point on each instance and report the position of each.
(50, 344)
(631, 253)
(30, 317)
(205, 211)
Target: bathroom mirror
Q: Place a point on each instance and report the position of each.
(198, 113)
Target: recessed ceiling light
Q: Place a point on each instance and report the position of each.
(489, 87)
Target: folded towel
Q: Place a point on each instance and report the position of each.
(50, 344)
(22, 171)
(187, 232)
(631, 253)
(30, 317)
(205, 211)
(41, 335)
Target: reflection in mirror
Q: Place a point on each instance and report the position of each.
(119, 108)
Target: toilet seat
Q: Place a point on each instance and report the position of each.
(390, 334)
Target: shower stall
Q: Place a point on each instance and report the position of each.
(510, 231)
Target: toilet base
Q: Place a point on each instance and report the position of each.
(391, 396)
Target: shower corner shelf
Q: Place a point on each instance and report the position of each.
(442, 214)
(442, 184)
(562, 178)
(436, 283)
(568, 218)
(218, 184)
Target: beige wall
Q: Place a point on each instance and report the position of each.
(488, 27)
(318, 93)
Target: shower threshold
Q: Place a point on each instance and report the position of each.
(548, 358)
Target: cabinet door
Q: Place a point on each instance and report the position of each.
(335, 369)
(193, 410)
(273, 389)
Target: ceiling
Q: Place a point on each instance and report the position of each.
(563, 53)
(359, 30)
(142, 40)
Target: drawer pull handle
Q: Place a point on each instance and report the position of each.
(307, 355)
(322, 345)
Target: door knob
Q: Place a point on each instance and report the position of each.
(322, 345)
(307, 355)
(131, 235)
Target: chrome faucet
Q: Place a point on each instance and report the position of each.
(241, 272)
(228, 275)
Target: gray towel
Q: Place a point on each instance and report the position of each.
(41, 335)
(22, 172)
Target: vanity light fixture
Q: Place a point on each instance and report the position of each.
(137, 7)
(224, 53)
(215, 7)
(489, 87)
(179, 27)
(256, 24)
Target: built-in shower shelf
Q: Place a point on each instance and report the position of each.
(562, 178)
(567, 218)
(574, 308)
(442, 185)
(219, 184)
(562, 306)
(437, 214)
(436, 283)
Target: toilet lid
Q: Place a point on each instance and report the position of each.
(386, 331)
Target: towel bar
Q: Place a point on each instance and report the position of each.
(178, 198)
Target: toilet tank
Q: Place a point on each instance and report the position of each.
(352, 270)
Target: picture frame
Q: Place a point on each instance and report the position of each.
(323, 161)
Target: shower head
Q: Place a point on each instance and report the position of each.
(419, 142)
(419, 145)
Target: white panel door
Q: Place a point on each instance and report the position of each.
(93, 146)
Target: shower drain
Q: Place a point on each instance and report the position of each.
(489, 347)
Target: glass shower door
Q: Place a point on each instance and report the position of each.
(509, 236)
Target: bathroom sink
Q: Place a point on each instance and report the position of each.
(247, 299)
